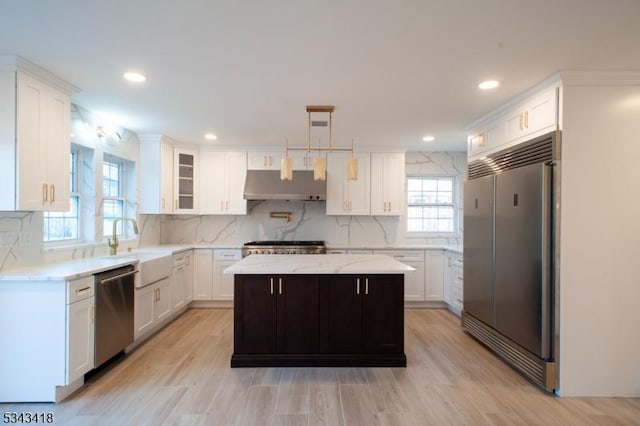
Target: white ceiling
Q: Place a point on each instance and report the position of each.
(395, 70)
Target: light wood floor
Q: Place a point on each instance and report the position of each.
(182, 377)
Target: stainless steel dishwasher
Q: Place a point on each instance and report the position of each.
(114, 312)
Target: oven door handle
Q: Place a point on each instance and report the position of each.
(126, 274)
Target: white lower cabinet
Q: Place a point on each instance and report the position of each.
(47, 329)
(454, 282)
(223, 283)
(434, 276)
(188, 270)
(179, 281)
(152, 306)
(203, 274)
(80, 328)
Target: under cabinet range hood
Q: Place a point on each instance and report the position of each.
(266, 185)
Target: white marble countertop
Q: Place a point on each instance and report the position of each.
(82, 267)
(78, 268)
(318, 264)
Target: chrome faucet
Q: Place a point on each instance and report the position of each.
(113, 246)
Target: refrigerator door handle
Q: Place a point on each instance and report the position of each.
(546, 305)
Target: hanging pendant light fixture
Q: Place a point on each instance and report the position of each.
(286, 165)
(320, 162)
(319, 166)
(352, 166)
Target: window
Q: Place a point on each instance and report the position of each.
(430, 205)
(64, 226)
(112, 193)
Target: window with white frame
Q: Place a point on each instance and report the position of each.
(65, 226)
(430, 204)
(113, 197)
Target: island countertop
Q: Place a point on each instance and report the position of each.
(318, 264)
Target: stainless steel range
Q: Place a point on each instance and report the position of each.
(283, 247)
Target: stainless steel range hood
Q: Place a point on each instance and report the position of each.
(266, 185)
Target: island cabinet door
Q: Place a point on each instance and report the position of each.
(255, 303)
(341, 314)
(383, 313)
(297, 314)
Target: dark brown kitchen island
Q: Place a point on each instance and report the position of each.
(332, 318)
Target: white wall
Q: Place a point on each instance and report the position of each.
(600, 246)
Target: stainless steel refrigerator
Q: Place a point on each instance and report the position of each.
(510, 232)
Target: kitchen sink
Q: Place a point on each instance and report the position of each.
(152, 265)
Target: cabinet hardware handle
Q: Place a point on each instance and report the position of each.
(82, 290)
(366, 286)
(117, 277)
(270, 160)
(526, 119)
(271, 279)
(460, 300)
(357, 285)
(53, 193)
(45, 193)
(279, 285)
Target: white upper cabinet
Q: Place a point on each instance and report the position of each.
(387, 184)
(538, 114)
(169, 178)
(35, 119)
(186, 196)
(302, 160)
(222, 177)
(348, 197)
(156, 174)
(530, 116)
(264, 160)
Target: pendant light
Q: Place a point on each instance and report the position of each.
(320, 162)
(319, 166)
(286, 165)
(352, 166)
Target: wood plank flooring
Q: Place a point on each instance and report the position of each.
(182, 377)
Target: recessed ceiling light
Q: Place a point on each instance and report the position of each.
(489, 84)
(210, 136)
(428, 138)
(134, 77)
